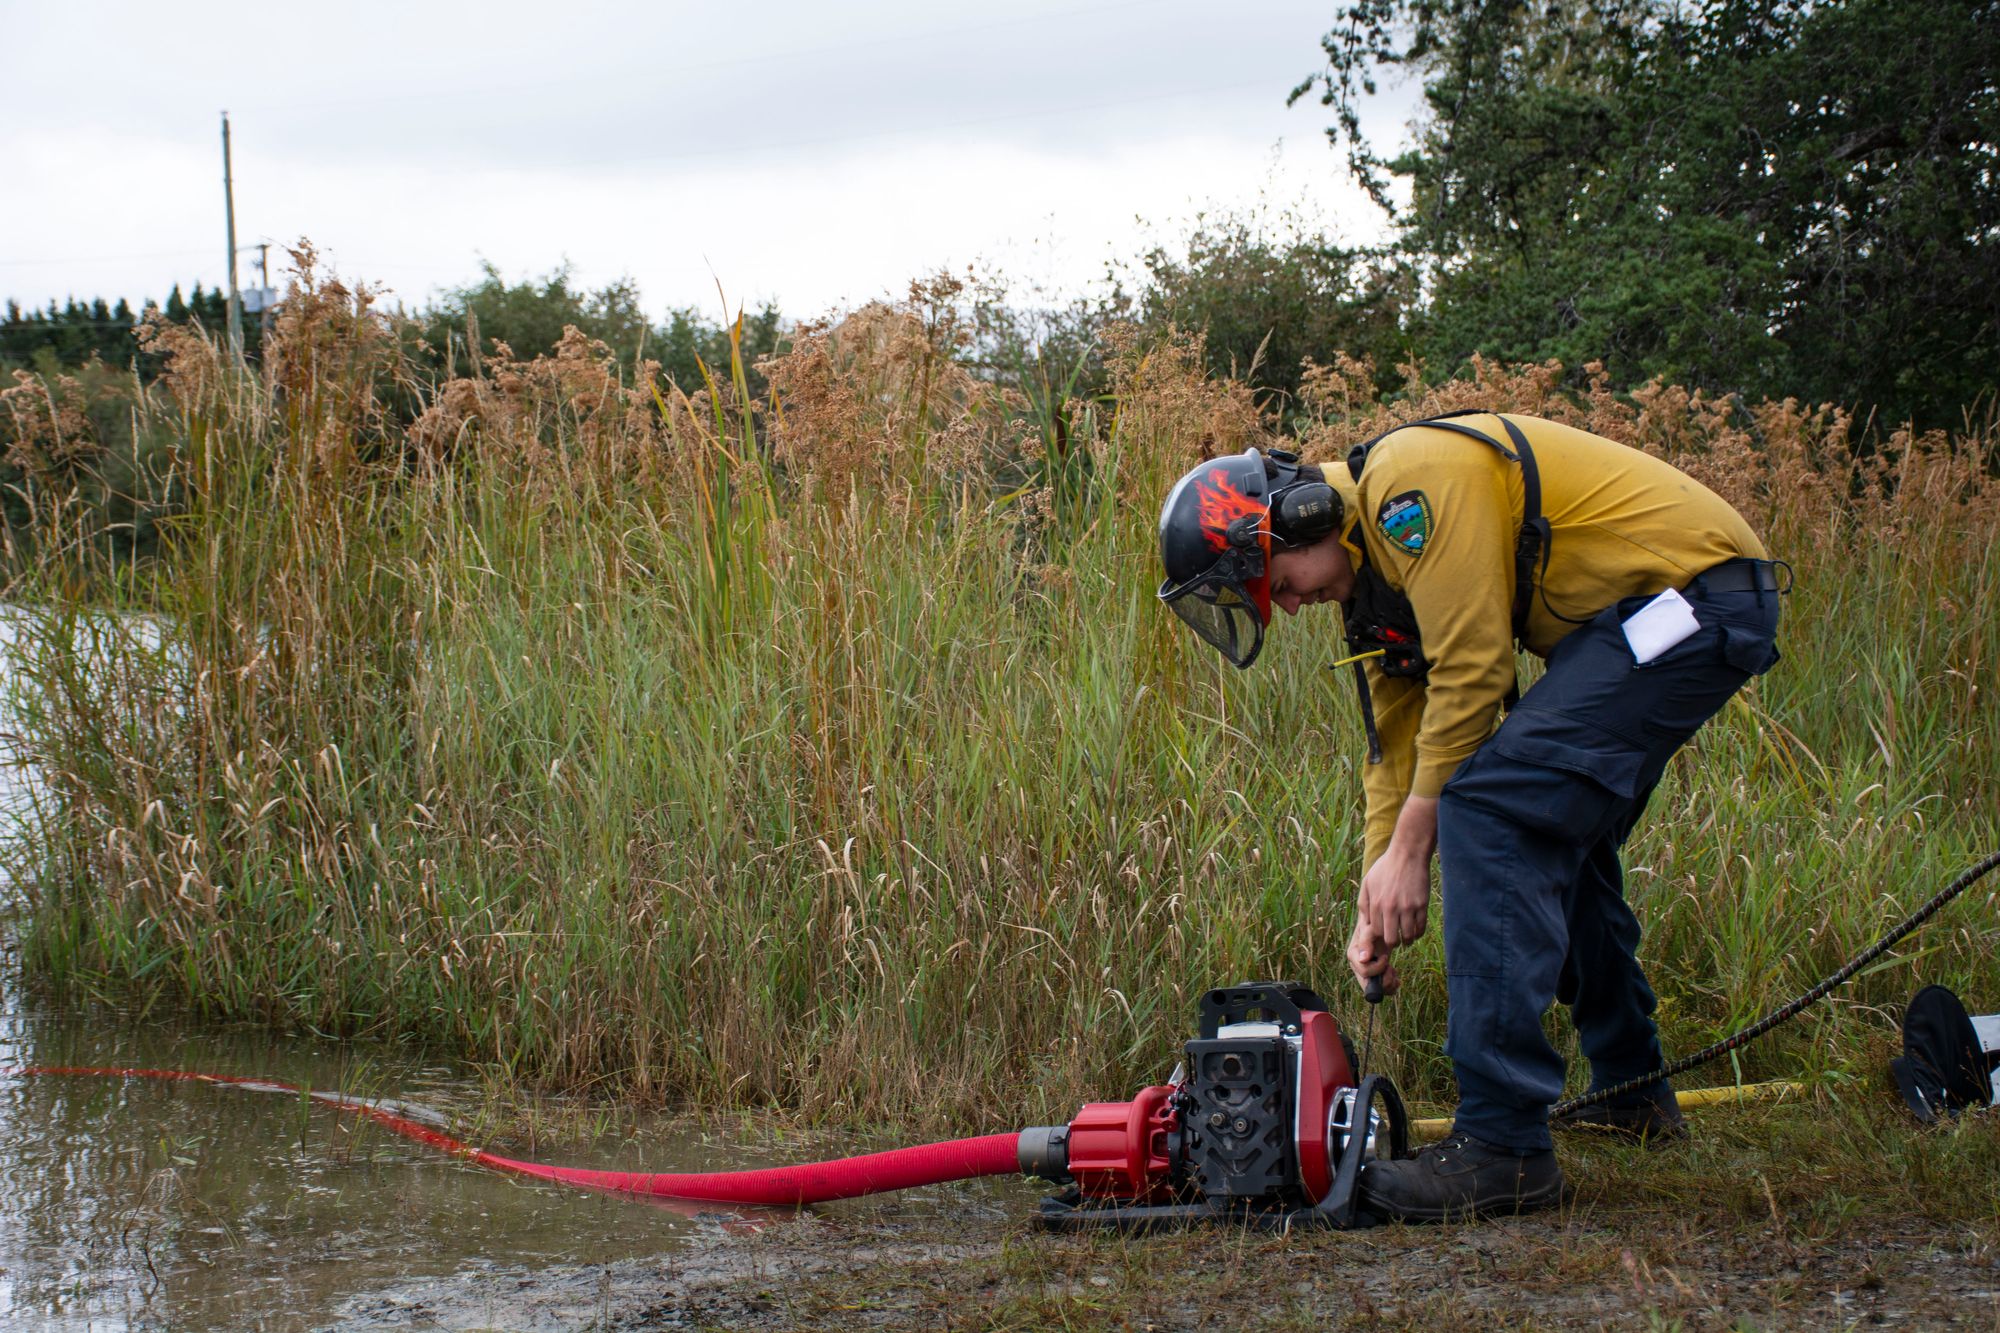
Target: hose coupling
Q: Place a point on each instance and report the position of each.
(1044, 1152)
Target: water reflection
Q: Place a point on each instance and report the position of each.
(13, 780)
(203, 1206)
(140, 1204)
(130, 1203)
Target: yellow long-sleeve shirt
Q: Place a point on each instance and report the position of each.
(1436, 513)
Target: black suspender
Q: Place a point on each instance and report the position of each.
(1379, 618)
(1531, 542)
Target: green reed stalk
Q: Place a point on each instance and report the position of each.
(690, 771)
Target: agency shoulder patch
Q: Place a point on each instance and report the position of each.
(1406, 520)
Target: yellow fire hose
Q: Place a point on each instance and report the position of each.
(1734, 1095)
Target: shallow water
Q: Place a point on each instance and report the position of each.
(14, 789)
(127, 1203)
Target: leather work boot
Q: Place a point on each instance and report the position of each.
(1656, 1121)
(1461, 1178)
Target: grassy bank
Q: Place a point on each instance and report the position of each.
(831, 751)
(1755, 1226)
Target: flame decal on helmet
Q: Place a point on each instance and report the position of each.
(1221, 505)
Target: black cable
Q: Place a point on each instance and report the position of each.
(1777, 1016)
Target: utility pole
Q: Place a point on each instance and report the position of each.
(264, 287)
(229, 213)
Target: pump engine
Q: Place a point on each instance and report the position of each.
(1266, 1122)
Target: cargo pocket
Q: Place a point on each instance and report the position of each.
(1748, 650)
(1553, 773)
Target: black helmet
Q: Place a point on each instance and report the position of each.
(1216, 530)
(1215, 541)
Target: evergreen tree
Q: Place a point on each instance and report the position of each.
(121, 341)
(16, 336)
(73, 338)
(210, 309)
(69, 334)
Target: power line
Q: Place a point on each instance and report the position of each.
(59, 323)
(99, 259)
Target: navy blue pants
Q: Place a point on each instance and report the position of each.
(1529, 831)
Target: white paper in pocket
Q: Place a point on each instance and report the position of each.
(1659, 625)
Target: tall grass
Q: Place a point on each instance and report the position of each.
(830, 751)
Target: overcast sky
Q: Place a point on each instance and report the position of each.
(815, 154)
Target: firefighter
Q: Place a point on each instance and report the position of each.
(1444, 543)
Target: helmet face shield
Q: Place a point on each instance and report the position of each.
(1224, 606)
(1215, 544)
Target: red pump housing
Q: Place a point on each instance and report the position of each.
(1324, 1070)
(1119, 1150)
(1138, 1152)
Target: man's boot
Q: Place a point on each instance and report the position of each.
(1652, 1117)
(1461, 1178)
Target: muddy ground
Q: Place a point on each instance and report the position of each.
(1812, 1221)
(1563, 1272)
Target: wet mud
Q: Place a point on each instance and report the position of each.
(1569, 1271)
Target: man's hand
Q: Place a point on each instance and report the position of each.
(1395, 901)
(1369, 957)
(1396, 898)
(1396, 891)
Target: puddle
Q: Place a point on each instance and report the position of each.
(148, 1205)
(139, 1204)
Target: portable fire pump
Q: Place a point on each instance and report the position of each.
(1265, 1123)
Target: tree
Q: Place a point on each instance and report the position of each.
(73, 333)
(1772, 196)
(120, 342)
(1269, 296)
(529, 316)
(688, 341)
(210, 309)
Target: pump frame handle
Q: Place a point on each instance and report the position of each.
(1343, 1200)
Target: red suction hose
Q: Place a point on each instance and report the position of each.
(782, 1186)
(816, 1182)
